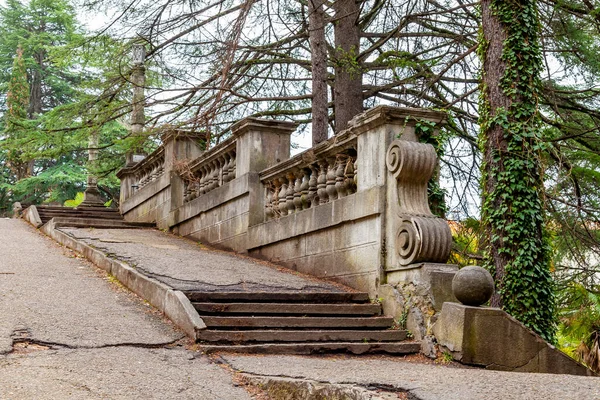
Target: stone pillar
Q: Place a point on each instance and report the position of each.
(91, 196)
(182, 145)
(138, 80)
(261, 143)
(415, 280)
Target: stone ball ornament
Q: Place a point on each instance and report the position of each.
(473, 286)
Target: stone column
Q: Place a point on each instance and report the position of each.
(180, 146)
(91, 196)
(138, 80)
(415, 243)
(261, 143)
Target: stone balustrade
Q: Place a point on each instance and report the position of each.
(149, 169)
(211, 170)
(325, 173)
(353, 208)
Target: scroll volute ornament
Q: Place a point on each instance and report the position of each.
(420, 236)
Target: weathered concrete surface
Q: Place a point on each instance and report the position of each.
(115, 373)
(419, 381)
(67, 330)
(491, 338)
(185, 265)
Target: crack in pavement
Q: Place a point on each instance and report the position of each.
(22, 335)
(373, 388)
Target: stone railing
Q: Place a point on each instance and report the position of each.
(149, 169)
(325, 173)
(211, 170)
(145, 186)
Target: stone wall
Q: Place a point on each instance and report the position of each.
(346, 210)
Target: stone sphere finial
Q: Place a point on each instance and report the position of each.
(473, 286)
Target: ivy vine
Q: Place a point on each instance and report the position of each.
(512, 208)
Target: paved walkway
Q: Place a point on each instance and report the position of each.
(185, 265)
(67, 331)
(416, 380)
(84, 336)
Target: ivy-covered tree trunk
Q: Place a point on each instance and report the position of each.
(318, 47)
(347, 91)
(512, 210)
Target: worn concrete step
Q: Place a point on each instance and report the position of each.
(279, 297)
(67, 210)
(364, 336)
(288, 309)
(298, 322)
(98, 223)
(317, 348)
(50, 215)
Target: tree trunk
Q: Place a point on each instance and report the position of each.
(35, 98)
(318, 47)
(512, 206)
(494, 68)
(348, 98)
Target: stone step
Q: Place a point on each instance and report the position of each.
(298, 322)
(279, 297)
(288, 309)
(76, 211)
(364, 336)
(397, 348)
(49, 216)
(99, 223)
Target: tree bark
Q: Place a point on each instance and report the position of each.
(494, 68)
(318, 46)
(513, 211)
(348, 97)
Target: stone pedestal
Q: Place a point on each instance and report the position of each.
(490, 338)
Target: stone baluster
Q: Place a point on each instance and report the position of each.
(322, 183)
(225, 170)
(312, 187)
(331, 190)
(186, 192)
(216, 173)
(298, 190)
(349, 176)
(355, 174)
(268, 203)
(289, 194)
(232, 166)
(340, 178)
(283, 210)
(304, 202)
(275, 198)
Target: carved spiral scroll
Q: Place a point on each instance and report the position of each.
(423, 239)
(412, 164)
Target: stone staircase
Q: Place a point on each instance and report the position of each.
(296, 323)
(86, 217)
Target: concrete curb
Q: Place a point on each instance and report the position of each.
(173, 303)
(32, 216)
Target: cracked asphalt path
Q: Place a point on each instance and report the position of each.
(89, 337)
(419, 380)
(185, 265)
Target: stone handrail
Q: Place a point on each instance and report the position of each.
(317, 176)
(149, 169)
(211, 170)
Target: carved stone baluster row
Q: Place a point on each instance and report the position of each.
(327, 180)
(211, 175)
